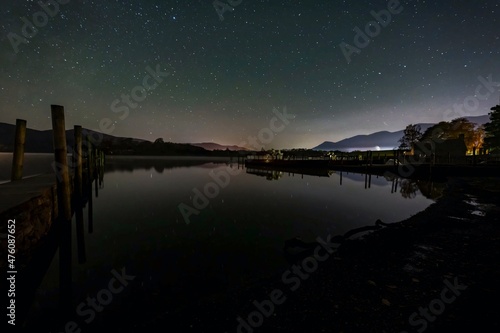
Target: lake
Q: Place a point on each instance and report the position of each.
(231, 238)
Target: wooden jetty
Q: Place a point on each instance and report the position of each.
(43, 208)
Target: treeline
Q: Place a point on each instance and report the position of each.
(158, 148)
(475, 136)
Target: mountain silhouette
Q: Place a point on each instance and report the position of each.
(383, 140)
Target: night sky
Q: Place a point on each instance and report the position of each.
(226, 76)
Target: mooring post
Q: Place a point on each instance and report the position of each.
(77, 151)
(18, 157)
(95, 175)
(64, 203)
(61, 160)
(80, 234)
(78, 160)
(90, 163)
(90, 207)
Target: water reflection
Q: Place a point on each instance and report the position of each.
(159, 164)
(408, 188)
(238, 237)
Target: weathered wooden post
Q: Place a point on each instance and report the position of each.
(90, 161)
(61, 160)
(474, 156)
(96, 170)
(64, 205)
(78, 162)
(18, 157)
(80, 232)
(78, 151)
(90, 207)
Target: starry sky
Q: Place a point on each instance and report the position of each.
(224, 77)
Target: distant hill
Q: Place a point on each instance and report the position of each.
(380, 140)
(42, 142)
(216, 146)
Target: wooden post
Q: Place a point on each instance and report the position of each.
(474, 155)
(61, 160)
(90, 206)
(78, 161)
(80, 233)
(18, 157)
(96, 171)
(90, 159)
(64, 203)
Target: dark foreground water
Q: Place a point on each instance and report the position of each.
(235, 236)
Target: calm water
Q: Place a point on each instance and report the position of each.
(34, 164)
(236, 240)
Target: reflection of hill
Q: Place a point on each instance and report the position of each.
(269, 174)
(359, 177)
(159, 164)
(265, 171)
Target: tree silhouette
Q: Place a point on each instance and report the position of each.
(473, 135)
(492, 129)
(411, 135)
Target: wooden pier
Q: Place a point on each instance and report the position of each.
(43, 208)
